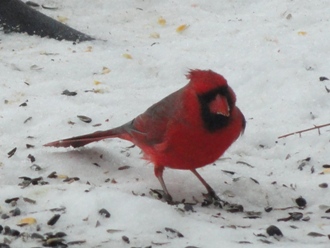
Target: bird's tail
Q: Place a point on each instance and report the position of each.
(120, 132)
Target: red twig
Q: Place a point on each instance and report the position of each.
(305, 130)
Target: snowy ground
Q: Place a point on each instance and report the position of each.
(272, 54)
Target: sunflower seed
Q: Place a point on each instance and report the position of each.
(84, 118)
(104, 213)
(53, 220)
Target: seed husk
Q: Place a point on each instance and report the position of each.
(69, 93)
(84, 118)
(274, 230)
(32, 4)
(125, 239)
(301, 202)
(53, 220)
(104, 213)
(12, 152)
(323, 185)
(315, 234)
(171, 230)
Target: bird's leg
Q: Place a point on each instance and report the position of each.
(211, 195)
(159, 174)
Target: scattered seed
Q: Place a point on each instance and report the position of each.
(76, 242)
(84, 118)
(6, 230)
(32, 158)
(69, 93)
(188, 207)
(15, 212)
(323, 185)
(173, 231)
(35, 68)
(60, 234)
(29, 146)
(97, 224)
(37, 236)
(274, 230)
(71, 179)
(5, 216)
(252, 215)
(32, 4)
(12, 152)
(58, 209)
(296, 215)
(285, 219)
(14, 232)
(28, 119)
(181, 28)
(125, 239)
(55, 242)
(323, 78)
(104, 213)
(301, 202)
(233, 208)
(157, 244)
(315, 234)
(35, 167)
(35, 181)
(125, 167)
(49, 7)
(24, 104)
(228, 172)
(52, 175)
(11, 200)
(114, 230)
(245, 163)
(28, 200)
(254, 180)
(53, 220)
(268, 209)
(307, 218)
(27, 221)
(289, 16)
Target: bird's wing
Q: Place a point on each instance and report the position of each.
(154, 122)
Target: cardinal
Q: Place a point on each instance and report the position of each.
(186, 130)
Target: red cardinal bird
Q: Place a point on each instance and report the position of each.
(188, 129)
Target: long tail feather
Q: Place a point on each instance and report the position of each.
(120, 132)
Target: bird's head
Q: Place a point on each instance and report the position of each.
(216, 98)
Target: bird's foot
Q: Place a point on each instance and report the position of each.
(212, 198)
(161, 195)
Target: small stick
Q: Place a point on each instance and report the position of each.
(305, 130)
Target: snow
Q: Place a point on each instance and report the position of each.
(271, 52)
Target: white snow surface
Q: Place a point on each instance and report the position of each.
(271, 52)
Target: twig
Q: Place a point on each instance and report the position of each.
(305, 130)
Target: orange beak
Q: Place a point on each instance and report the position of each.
(220, 106)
